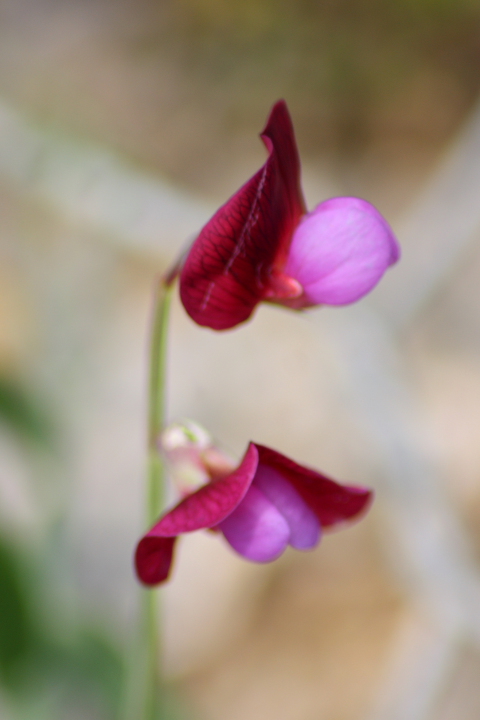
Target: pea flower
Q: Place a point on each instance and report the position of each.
(262, 245)
(265, 504)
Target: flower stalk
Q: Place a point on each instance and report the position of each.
(157, 401)
(155, 487)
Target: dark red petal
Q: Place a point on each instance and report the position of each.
(227, 270)
(211, 503)
(205, 508)
(153, 559)
(333, 503)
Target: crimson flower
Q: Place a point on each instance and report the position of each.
(267, 503)
(262, 245)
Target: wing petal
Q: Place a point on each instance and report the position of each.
(333, 503)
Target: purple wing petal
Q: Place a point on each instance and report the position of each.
(340, 251)
(228, 268)
(256, 529)
(332, 503)
(305, 530)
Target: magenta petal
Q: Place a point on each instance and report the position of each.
(205, 508)
(340, 251)
(334, 504)
(256, 529)
(304, 525)
(153, 559)
(227, 270)
(211, 503)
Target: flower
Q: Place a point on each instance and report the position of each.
(262, 245)
(265, 504)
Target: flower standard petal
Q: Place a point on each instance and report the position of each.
(340, 251)
(205, 508)
(256, 529)
(231, 263)
(333, 504)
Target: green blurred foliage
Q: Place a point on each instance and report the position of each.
(18, 632)
(54, 663)
(24, 414)
(44, 666)
(86, 671)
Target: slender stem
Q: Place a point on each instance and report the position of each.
(151, 679)
(156, 411)
(156, 422)
(142, 689)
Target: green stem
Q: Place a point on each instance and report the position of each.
(142, 689)
(151, 680)
(156, 423)
(156, 411)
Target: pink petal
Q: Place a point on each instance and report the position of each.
(304, 525)
(340, 251)
(256, 529)
(153, 559)
(333, 504)
(227, 270)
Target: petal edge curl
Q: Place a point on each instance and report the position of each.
(333, 503)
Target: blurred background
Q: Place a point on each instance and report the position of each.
(123, 126)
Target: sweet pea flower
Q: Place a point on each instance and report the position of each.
(262, 245)
(265, 504)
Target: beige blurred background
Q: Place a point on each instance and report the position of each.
(123, 125)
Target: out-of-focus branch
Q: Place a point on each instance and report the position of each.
(90, 185)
